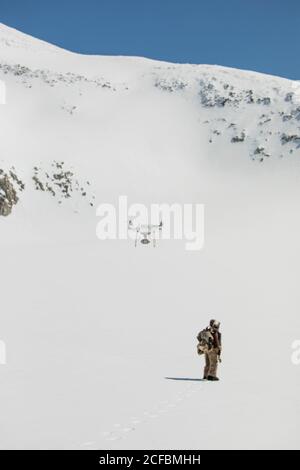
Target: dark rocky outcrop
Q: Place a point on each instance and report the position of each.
(8, 194)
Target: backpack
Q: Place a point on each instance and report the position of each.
(205, 341)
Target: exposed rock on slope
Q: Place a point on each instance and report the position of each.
(8, 193)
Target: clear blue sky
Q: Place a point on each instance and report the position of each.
(262, 35)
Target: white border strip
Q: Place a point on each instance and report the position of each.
(2, 92)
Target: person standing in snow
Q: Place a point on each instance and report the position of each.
(213, 352)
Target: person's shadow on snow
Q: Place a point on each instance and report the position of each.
(184, 378)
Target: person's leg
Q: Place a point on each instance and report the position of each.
(206, 367)
(213, 363)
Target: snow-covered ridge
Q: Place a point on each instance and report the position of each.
(12, 38)
(257, 114)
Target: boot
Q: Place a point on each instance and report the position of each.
(211, 377)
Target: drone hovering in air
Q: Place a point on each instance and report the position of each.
(145, 233)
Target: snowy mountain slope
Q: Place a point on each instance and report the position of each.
(93, 328)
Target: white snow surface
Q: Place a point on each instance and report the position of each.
(101, 337)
